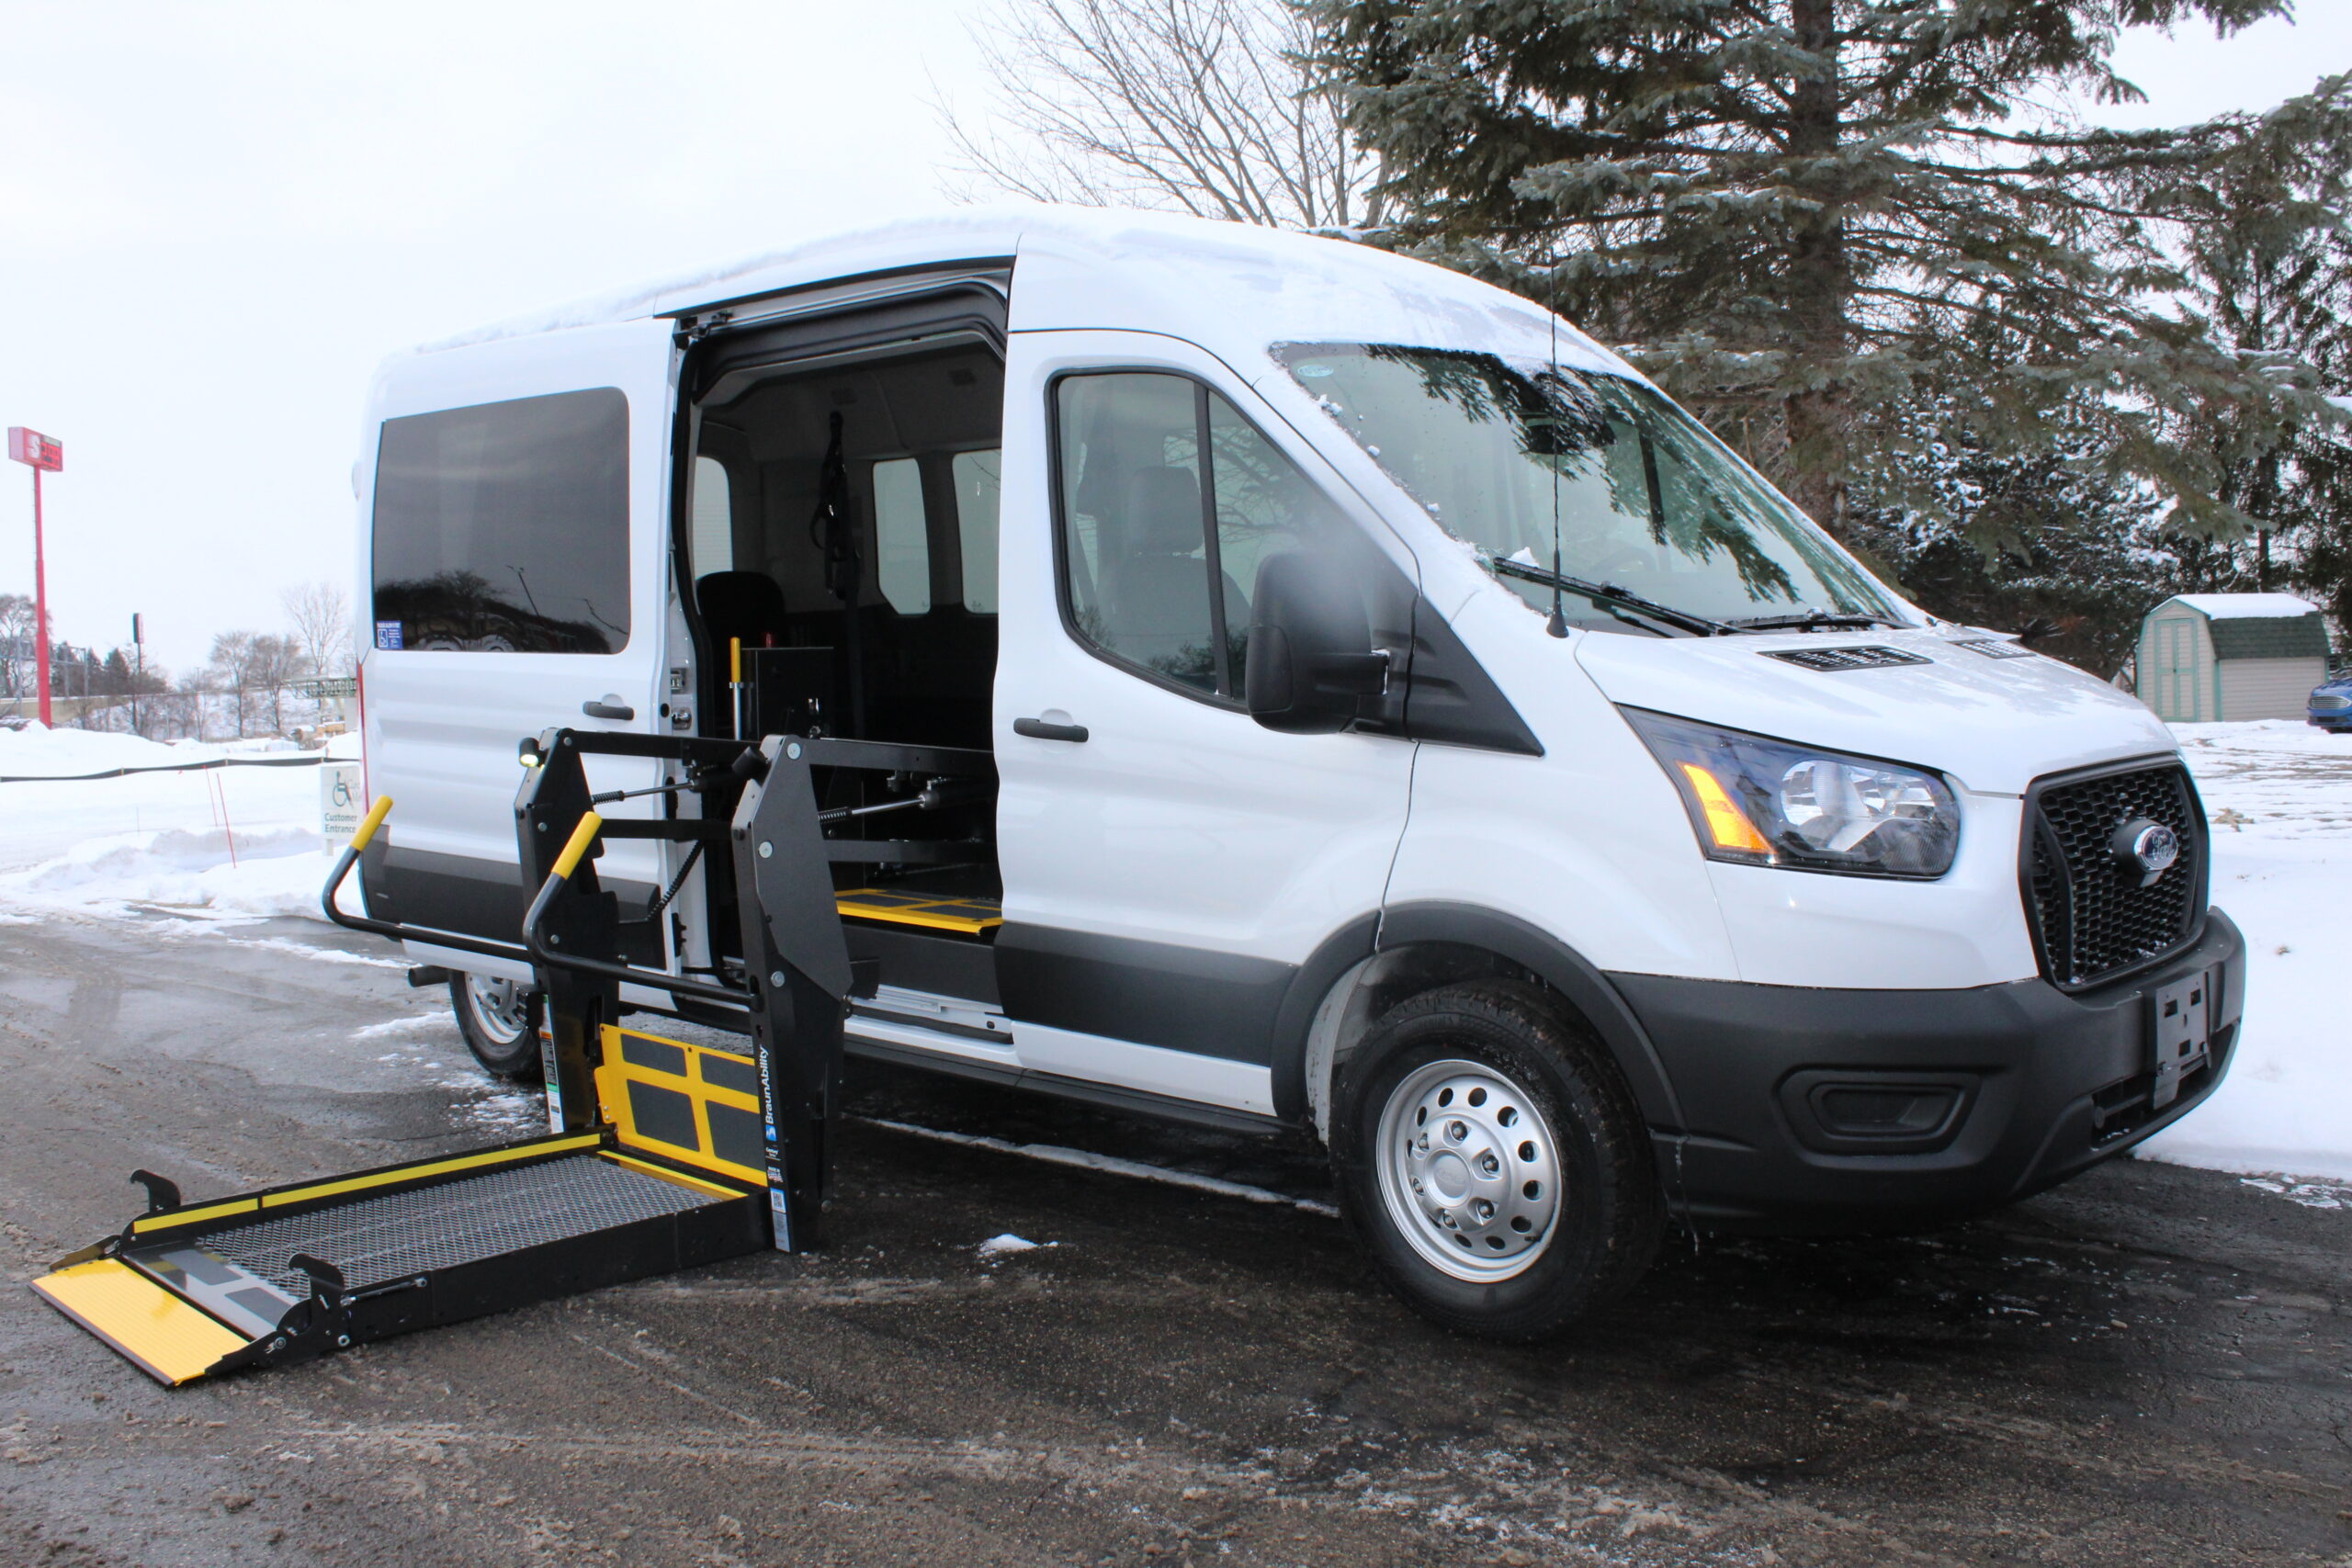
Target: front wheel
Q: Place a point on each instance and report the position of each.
(1493, 1163)
(499, 1020)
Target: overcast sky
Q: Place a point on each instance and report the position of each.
(215, 218)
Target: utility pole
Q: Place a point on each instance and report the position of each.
(42, 455)
(139, 672)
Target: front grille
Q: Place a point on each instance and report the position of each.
(2092, 919)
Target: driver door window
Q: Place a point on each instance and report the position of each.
(1169, 500)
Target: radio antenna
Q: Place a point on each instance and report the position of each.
(1557, 623)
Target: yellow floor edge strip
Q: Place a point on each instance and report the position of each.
(163, 1336)
(968, 924)
(431, 1168)
(194, 1216)
(680, 1177)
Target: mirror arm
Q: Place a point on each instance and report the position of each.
(1353, 675)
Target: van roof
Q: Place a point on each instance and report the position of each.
(1227, 287)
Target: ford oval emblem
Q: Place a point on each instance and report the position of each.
(2144, 848)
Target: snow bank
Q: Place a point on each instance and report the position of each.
(231, 841)
(274, 871)
(2280, 795)
(34, 752)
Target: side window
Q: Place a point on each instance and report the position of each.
(710, 537)
(901, 536)
(503, 528)
(974, 476)
(1134, 551)
(1147, 460)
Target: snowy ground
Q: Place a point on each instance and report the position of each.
(2280, 795)
(239, 841)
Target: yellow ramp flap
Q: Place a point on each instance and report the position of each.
(156, 1331)
(690, 1102)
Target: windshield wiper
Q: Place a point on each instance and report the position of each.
(1608, 593)
(1811, 620)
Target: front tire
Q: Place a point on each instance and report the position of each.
(1493, 1163)
(499, 1020)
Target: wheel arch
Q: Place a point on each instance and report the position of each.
(1374, 961)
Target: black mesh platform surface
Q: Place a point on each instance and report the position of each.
(377, 1240)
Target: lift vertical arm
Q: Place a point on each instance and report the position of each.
(548, 808)
(799, 968)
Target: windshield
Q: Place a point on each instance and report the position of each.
(1645, 500)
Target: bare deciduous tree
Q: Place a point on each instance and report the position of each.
(1195, 105)
(321, 615)
(229, 670)
(16, 645)
(277, 662)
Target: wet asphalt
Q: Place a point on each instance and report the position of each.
(2149, 1365)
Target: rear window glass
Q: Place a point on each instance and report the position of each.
(711, 516)
(503, 528)
(975, 475)
(902, 536)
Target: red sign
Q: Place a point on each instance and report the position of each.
(32, 446)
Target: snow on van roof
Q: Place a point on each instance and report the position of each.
(1218, 284)
(2246, 607)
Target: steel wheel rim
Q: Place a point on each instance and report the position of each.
(502, 1009)
(1469, 1169)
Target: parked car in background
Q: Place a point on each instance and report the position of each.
(2330, 703)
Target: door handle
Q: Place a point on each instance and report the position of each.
(610, 707)
(1042, 729)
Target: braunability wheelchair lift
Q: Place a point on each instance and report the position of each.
(661, 1154)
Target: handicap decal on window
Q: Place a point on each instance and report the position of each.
(388, 634)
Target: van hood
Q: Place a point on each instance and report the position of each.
(1992, 724)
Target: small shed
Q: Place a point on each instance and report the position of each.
(2204, 657)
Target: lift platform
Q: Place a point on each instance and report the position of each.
(663, 1154)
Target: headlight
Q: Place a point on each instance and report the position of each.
(1760, 802)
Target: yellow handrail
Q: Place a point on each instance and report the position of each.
(582, 837)
(373, 821)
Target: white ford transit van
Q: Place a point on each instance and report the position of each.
(1407, 725)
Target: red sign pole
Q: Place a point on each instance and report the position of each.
(41, 606)
(42, 455)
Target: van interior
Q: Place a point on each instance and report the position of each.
(841, 534)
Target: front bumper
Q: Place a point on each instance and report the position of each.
(2012, 1088)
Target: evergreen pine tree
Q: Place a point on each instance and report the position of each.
(1809, 218)
(2269, 252)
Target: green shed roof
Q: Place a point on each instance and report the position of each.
(2285, 637)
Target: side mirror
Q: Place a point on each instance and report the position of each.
(1311, 662)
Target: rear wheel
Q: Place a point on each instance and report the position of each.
(1493, 1163)
(499, 1020)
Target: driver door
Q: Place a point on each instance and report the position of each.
(1169, 864)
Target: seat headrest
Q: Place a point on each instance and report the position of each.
(1163, 512)
(740, 603)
